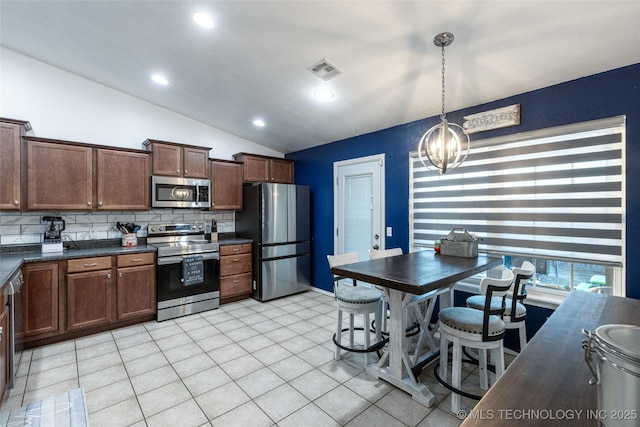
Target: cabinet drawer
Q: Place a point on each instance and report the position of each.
(235, 249)
(88, 264)
(235, 285)
(136, 259)
(235, 264)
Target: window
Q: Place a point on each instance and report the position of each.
(553, 196)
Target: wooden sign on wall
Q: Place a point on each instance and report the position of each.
(493, 119)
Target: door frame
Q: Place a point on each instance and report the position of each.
(380, 160)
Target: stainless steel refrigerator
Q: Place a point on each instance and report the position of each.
(276, 217)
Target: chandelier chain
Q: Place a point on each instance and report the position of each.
(442, 114)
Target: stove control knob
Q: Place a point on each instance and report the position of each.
(200, 226)
(161, 228)
(153, 229)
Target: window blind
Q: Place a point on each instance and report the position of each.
(555, 193)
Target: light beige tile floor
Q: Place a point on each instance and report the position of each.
(245, 364)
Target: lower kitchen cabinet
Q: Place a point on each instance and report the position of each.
(89, 292)
(136, 285)
(95, 294)
(235, 272)
(39, 300)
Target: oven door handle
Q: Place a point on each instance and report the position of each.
(178, 259)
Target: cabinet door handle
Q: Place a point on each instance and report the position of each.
(236, 260)
(93, 264)
(99, 204)
(177, 170)
(1, 332)
(186, 171)
(236, 249)
(109, 276)
(16, 202)
(136, 260)
(236, 281)
(88, 203)
(119, 274)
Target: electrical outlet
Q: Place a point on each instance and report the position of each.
(389, 232)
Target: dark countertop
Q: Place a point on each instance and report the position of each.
(10, 261)
(234, 241)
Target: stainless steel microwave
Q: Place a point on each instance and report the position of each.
(173, 192)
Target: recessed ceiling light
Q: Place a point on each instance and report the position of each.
(323, 94)
(160, 79)
(203, 19)
(259, 123)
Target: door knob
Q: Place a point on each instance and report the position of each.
(376, 247)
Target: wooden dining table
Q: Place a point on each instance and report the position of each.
(402, 277)
(547, 384)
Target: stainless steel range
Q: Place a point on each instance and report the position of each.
(188, 268)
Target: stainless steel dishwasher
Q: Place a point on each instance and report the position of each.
(15, 316)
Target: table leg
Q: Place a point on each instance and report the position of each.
(398, 369)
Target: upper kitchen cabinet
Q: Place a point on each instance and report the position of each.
(122, 180)
(11, 132)
(226, 185)
(171, 159)
(59, 176)
(65, 175)
(265, 169)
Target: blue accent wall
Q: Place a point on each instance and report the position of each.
(608, 94)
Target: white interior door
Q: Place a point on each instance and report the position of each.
(358, 205)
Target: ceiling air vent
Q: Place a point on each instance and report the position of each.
(325, 70)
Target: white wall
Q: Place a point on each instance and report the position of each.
(62, 105)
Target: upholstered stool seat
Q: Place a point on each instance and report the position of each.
(355, 300)
(358, 295)
(480, 329)
(470, 322)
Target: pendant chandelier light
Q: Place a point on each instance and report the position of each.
(446, 145)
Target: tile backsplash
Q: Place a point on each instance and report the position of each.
(22, 228)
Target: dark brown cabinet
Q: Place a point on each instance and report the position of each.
(76, 176)
(136, 285)
(59, 176)
(258, 168)
(89, 292)
(226, 185)
(235, 272)
(11, 133)
(172, 159)
(122, 180)
(39, 301)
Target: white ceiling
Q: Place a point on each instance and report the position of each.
(254, 62)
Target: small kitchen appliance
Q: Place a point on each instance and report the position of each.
(52, 241)
(173, 192)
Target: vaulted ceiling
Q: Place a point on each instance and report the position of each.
(254, 62)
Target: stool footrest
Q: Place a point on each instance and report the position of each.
(374, 347)
(452, 388)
